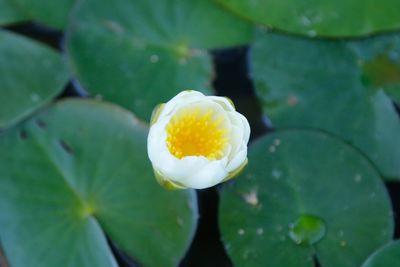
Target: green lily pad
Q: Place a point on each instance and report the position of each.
(50, 13)
(323, 84)
(139, 54)
(9, 13)
(387, 256)
(312, 184)
(77, 171)
(379, 60)
(323, 18)
(31, 74)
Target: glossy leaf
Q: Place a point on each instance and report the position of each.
(31, 74)
(387, 256)
(9, 13)
(77, 171)
(50, 13)
(139, 54)
(310, 183)
(323, 18)
(326, 85)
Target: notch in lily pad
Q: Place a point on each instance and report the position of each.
(307, 230)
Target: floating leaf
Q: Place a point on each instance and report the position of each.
(387, 256)
(322, 84)
(324, 18)
(138, 54)
(9, 13)
(304, 194)
(50, 13)
(379, 60)
(80, 169)
(31, 74)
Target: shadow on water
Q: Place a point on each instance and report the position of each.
(39, 33)
(394, 193)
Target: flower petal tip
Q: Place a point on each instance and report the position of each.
(167, 184)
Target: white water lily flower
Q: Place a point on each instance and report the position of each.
(197, 141)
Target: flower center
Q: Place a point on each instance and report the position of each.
(193, 132)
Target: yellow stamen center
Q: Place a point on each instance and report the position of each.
(195, 132)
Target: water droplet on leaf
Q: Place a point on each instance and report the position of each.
(312, 33)
(357, 178)
(260, 231)
(305, 21)
(276, 174)
(277, 142)
(154, 58)
(307, 230)
(35, 97)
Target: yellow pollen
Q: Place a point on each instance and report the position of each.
(193, 132)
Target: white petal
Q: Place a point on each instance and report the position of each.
(246, 128)
(237, 131)
(182, 99)
(236, 139)
(225, 102)
(238, 159)
(195, 172)
(187, 94)
(156, 141)
(205, 176)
